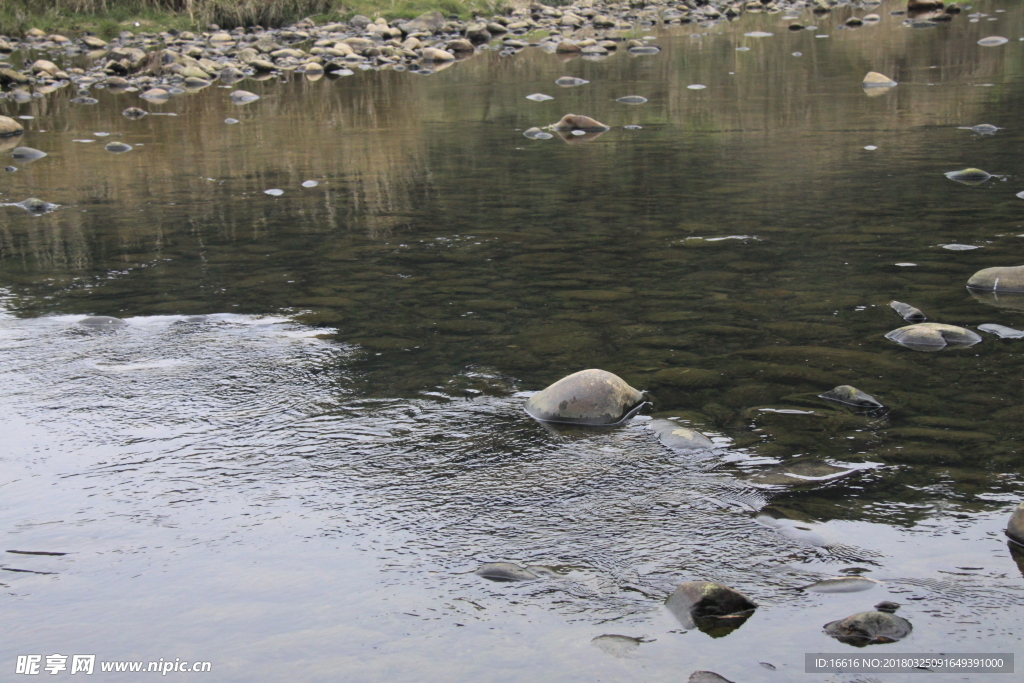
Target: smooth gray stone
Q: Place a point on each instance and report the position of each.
(101, 322)
(869, 628)
(842, 584)
(969, 176)
(505, 571)
(852, 396)
(1015, 527)
(117, 147)
(570, 81)
(908, 312)
(694, 600)
(998, 279)
(678, 437)
(243, 97)
(1001, 331)
(27, 153)
(588, 397)
(616, 645)
(632, 99)
(933, 336)
(35, 206)
(707, 677)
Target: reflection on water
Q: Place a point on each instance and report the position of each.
(313, 469)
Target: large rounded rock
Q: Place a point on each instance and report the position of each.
(998, 279)
(1015, 528)
(870, 628)
(9, 127)
(571, 122)
(588, 397)
(709, 606)
(933, 336)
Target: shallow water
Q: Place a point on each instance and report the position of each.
(300, 484)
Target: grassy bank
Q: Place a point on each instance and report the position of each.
(107, 18)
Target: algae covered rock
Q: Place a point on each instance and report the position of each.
(588, 397)
(709, 606)
(1015, 527)
(870, 628)
(998, 279)
(852, 396)
(933, 336)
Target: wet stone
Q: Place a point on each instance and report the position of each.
(230, 122)
(993, 41)
(83, 100)
(644, 50)
(117, 147)
(869, 628)
(588, 397)
(927, 336)
(873, 79)
(707, 677)
(616, 645)
(9, 127)
(969, 176)
(907, 312)
(702, 604)
(310, 183)
(156, 95)
(631, 99)
(852, 396)
(101, 322)
(1001, 331)
(27, 153)
(998, 279)
(842, 584)
(36, 207)
(243, 97)
(274, 192)
(570, 81)
(537, 134)
(539, 97)
(134, 113)
(985, 129)
(505, 571)
(574, 122)
(1015, 527)
(678, 437)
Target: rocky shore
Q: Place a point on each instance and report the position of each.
(179, 60)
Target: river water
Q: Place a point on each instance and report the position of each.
(310, 432)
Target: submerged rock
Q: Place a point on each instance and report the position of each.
(537, 134)
(134, 113)
(998, 279)
(27, 153)
(101, 322)
(852, 396)
(1015, 527)
(969, 176)
(9, 127)
(118, 147)
(616, 645)
(908, 312)
(800, 472)
(1001, 331)
(707, 677)
(505, 571)
(571, 122)
(709, 606)
(570, 81)
(539, 97)
(842, 584)
(644, 50)
(632, 99)
(870, 628)
(156, 95)
(993, 41)
(588, 397)
(36, 207)
(680, 438)
(243, 97)
(985, 129)
(933, 336)
(873, 79)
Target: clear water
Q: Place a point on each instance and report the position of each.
(300, 484)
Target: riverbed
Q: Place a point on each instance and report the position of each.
(310, 432)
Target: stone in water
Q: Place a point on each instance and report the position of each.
(632, 99)
(873, 79)
(993, 41)
(696, 601)
(842, 584)
(101, 322)
(274, 193)
(645, 50)
(852, 396)
(696, 86)
(870, 148)
(230, 122)
(27, 153)
(156, 95)
(505, 571)
(984, 129)
(570, 81)
(243, 97)
(36, 207)
(134, 113)
(908, 312)
(933, 336)
(589, 397)
(633, 126)
(574, 122)
(118, 147)
(310, 183)
(616, 645)
(959, 247)
(869, 628)
(537, 134)
(540, 97)
(681, 438)
(758, 34)
(1001, 331)
(969, 176)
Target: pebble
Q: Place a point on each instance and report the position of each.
(274, 193)
(539, 97)
(632, 99)
(117, 147)
(310, 183)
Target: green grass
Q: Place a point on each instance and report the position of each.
(107, 18)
